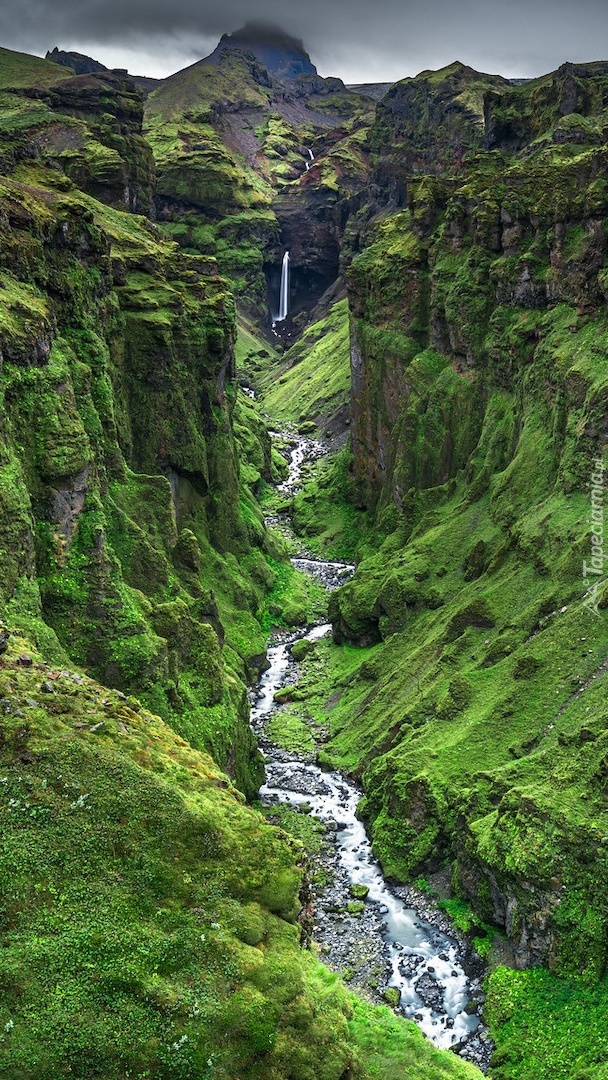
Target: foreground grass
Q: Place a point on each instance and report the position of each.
(547, 1028)
(149, 916)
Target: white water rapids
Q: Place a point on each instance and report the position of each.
(334, 798)
(425, 963)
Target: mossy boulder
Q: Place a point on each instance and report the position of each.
(358, 892)
(301, 649)
(355, 908)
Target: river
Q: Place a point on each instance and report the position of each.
(394, 934)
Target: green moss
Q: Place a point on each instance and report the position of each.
(477, 725)
(128, 854)
(291, 732)
(545, 1027)
(358, 892)
(355, 908)
(323, 511)
(295, 599)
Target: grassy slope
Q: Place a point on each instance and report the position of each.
(252, 351)
(313, 379)
(148, 915)
(18, 70)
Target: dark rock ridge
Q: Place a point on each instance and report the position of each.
(373, 90)
(86, 65)
(77, 62)
(428, 124)
(282, 56)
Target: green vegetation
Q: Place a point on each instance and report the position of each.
(474, 713)
(439, 113)
(148, 916)
(295, 599)
(226, 142)
(323, 511)
(19, 70)
(546, 1028)
(291, 732)
(252, 351)
(387, 1053)
(90, 428)
(480, 610)
(313, 379)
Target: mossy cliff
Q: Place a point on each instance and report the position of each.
(477, 721)
(130, 527)
(89, 126)
(427, 124)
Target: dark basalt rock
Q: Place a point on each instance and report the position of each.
(429, 991)
(79, 63)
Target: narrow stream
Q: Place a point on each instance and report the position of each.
(422, 961)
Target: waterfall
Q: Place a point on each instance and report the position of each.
(311, 157)
(284, 298)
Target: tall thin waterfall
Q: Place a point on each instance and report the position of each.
(311, 157)
(284, 299)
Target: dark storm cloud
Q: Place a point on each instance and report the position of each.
(353, 38)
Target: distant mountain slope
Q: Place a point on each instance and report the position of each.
(373, 90)
(232, 141)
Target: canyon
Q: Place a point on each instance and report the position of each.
(254, 323)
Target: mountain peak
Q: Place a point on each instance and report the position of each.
(283, 56)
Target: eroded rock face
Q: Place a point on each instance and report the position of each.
(574, 89)
(68, 504)
(524, 911)
(102, 149)
(439, 226)
(430, 122)
(310, 229)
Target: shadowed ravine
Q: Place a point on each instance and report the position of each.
(429, 967)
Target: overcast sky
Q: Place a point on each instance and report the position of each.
(359, 40)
